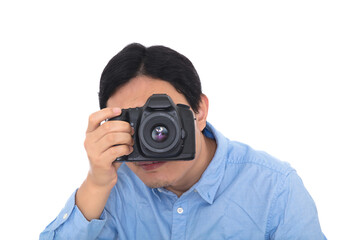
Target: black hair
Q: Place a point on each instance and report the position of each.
(156, 62)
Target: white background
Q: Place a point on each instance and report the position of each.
(278, 75)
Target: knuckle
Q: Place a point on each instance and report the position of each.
(127, 127)
(128, 140)
(131, 140)
(87, 144)
(92, 118)
(106, 126)
(120, 150)
(126, 150)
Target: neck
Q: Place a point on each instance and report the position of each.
(208, 148)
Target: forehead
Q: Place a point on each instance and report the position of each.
(136, 92)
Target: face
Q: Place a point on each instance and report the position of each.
(169, 174)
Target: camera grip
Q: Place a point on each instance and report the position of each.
(122, 117)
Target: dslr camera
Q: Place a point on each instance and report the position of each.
(163, 131)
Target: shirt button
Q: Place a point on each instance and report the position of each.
(65, 216)
(180, 210)
(159, 190)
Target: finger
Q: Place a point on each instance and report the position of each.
(113, 153)
(110, 127)
(96, 118)
(113, 139)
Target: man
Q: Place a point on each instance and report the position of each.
(228, 191)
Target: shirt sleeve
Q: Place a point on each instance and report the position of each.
(293, 214)
(71, 224)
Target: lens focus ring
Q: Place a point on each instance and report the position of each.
(153, 136)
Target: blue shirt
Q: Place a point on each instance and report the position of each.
(243, 194)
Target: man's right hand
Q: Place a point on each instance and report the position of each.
(104, 143)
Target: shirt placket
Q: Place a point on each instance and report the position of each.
(180, 214)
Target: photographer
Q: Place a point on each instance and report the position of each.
(179, 178)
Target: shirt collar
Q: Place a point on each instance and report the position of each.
(210, 180)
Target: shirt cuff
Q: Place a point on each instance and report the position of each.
(71, 220)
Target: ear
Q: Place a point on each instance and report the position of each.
(201, 116)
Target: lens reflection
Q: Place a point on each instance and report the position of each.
(160, 134)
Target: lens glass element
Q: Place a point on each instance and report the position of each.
(159, 134)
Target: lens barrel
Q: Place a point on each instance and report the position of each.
(159, 132)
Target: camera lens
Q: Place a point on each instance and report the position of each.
(159, 134)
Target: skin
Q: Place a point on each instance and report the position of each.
(176, 176)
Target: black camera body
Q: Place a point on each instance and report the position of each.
(163, 131)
